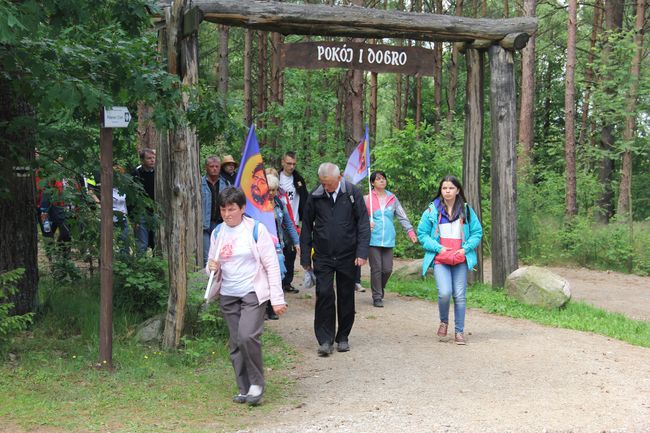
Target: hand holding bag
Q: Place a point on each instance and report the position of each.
(450, 257)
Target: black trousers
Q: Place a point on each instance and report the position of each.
(289, 259)
(331, 306)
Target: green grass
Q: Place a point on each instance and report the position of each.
(50, 379)
(575, 315)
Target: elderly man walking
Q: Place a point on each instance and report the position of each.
(211, 185)
(335, 224)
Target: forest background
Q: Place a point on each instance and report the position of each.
(584, 173)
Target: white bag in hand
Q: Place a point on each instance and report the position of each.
(309, 279)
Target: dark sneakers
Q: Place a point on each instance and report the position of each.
(239, 398)
(378, 303)
(343, 346)
(290, 289)
(325, 349)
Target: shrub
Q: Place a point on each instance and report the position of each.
(140, 284)
(10, 324)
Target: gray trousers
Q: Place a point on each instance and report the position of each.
(245, 319)
(381, 266)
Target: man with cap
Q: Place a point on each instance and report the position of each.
(228, 170)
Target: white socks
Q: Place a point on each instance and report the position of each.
(255, 390)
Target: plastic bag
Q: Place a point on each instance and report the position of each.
(309, 279)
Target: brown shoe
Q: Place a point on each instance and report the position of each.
(460, 339)
(442, 330)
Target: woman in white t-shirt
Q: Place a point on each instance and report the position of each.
(247, 275)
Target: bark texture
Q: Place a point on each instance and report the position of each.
(18, 235)
(503, 112)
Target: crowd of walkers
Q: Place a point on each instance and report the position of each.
(332, 230)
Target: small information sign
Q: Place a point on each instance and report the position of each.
(116, 117)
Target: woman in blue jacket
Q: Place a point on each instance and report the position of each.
(450, 232)
(383, 206)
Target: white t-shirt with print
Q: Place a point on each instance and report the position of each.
(286, 183)
(238, 264)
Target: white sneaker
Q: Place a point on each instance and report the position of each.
(254, 396)
(359, 288)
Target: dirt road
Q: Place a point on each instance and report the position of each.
(513, 376)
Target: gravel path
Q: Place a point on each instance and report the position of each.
(513, 376)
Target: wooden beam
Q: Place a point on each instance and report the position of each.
(515, 41)
(353, 21)
(503, 119)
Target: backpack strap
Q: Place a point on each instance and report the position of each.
(255, 229)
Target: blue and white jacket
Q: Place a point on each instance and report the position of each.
(383, 234)
(429, 237)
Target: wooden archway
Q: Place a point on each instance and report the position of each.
(499, 38)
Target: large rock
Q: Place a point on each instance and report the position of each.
(533, 285)
(151, 330)
(410, 270)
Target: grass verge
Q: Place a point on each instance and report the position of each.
(575, 315)
(48, 380)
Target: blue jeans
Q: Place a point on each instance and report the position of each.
(144, 235)
(206, 242)
(452, 281)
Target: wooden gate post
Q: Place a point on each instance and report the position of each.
(182, 210)
(473, 144)
(503, 118)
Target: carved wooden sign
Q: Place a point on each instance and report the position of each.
(355, 55)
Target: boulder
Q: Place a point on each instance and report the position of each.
(533, 285)
(151, 330)
(409, 271)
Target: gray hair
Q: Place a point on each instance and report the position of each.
(212, 158)
(272, 181)
(327, 169)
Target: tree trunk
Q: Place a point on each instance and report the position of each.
(355, 102)
(18, 235)
(398, 101)
(452, 86)
(181, 169)
(276, 81)
(571, 208)
(613, 24)
(373, 107)
(527, 108)
(473, 144)
(629, 132)
(222, 66)
(147, 134)
(437, 77)
(262, 53)
(589, 72)
(503, 113)
(248, 92)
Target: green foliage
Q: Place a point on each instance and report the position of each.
(140, 284)
(415, 161)
(575, 315)
(51, 379)
(10, 324)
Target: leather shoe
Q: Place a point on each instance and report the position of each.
(290, 289)
(325, 349)
(343, 346)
